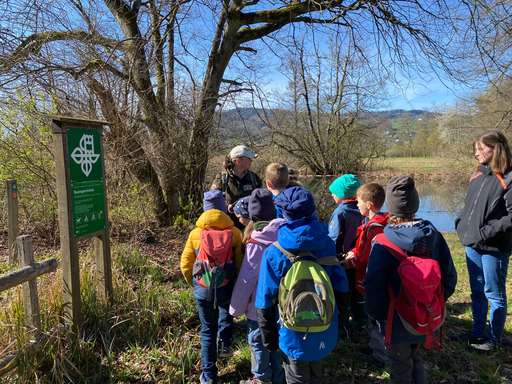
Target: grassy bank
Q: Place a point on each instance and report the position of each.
(421, 165)
(151, 334)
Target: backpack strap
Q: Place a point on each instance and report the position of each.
(330, 260)
(398, 252)
(251, 240)
(223, 181)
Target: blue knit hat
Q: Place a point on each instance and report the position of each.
(345, 186)
(214, 200)
(261, 205)
(296, 203)
(241, 207)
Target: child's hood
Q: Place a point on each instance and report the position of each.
(268, 234)
(306, 234)
(415, 237)
(351, 206)
(214, 218)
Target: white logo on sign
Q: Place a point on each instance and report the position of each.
(322, 345)
(84, 155)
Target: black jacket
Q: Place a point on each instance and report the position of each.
(234, 188)
(486, 220)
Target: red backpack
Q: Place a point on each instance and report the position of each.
(420, 303)
(214, 260)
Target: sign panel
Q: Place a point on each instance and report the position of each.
(88, 204)
(85, 171)
(84, 148)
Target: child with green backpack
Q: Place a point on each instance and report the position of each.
(212, 257)
(301, 265)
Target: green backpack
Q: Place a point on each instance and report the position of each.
(306, 299)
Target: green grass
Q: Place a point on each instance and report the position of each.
(421, 165)
(151, 333)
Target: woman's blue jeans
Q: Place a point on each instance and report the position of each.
(265, 365)
(487, 277)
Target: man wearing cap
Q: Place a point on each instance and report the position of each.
(237, 180)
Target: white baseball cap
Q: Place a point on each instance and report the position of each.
(241, 151)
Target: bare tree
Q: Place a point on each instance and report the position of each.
(125, 55)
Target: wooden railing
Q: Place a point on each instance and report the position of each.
(26, 276)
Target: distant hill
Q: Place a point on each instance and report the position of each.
(238, 115)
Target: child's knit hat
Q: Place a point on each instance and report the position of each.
(401, 196)
(241, 207)
(214, 200)
(345, 186)
(295, 203)
(261, 205)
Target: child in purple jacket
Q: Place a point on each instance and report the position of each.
(258, 235)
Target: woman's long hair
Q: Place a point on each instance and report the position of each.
(501, 158)
(228, 163)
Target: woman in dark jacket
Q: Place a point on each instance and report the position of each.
(237, 180)
(485, 229)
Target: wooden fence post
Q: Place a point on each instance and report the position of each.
(30, 298)
(12, 220)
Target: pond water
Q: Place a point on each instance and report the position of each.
(441, 198)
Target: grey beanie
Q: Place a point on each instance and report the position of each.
(401, 196)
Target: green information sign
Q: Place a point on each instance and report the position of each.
(84, 147)
(88, 203)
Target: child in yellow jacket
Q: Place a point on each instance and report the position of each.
(213, 313)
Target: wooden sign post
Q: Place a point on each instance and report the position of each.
(81, 190)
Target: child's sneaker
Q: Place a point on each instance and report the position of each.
(223, 351)
(254, 380)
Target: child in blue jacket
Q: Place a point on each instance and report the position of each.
(343, 225)
(302, 356)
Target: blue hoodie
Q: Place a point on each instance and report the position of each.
(414, 237)
(306, 234)
(343, 225)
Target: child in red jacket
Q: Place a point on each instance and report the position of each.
(370, 199)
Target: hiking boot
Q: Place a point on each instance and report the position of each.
(224, 352)
(372, 361)
(254, 380)
(468, 337)
(485, 347)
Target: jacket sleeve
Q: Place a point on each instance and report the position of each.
(448, 271)
(266, 298)
(376, 282)
(238, 252)
(217, 183)
(188, 257)
(363, 255)
(246, 281)
(501, 226)
(334, 227)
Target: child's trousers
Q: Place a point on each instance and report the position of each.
(303, 372)
(265, 365)
(406, 364)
